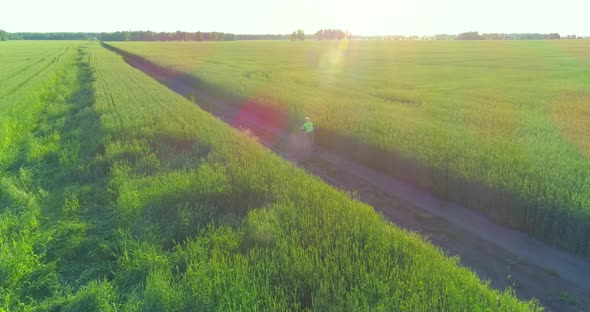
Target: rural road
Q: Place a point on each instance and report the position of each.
(505, 257)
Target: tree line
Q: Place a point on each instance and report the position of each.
(474, 35)
(322, 34)
(147, 36)
(166, 36)
(126, 36)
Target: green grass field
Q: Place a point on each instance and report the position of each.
(116, 194)
(508, 115)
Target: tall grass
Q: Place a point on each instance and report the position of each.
(128, 197)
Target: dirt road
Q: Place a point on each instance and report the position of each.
(505, 257)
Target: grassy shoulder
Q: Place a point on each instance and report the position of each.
(486, 124)
(142, 201)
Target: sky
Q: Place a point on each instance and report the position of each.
(360, 17)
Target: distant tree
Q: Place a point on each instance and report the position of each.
(493, 36)
(263, 37)
(219, 36)
(319, 35)
(331, 34)
(300, 35)
(444, 37)
(471, 35)
(126, 35)
(229, 37)
(554, 36)
(3, 35)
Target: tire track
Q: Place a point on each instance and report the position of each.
(54, 60)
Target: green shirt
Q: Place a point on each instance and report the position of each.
(308, 126)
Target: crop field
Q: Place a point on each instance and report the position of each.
(499, 126)
(116, 194)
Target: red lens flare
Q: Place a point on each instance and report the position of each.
(266, 122)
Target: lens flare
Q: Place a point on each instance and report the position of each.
(265, 122)
(333, 61)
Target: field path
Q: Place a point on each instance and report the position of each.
(505, 257)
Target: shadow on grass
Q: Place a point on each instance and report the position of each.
(75, 177)
(182, 83)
